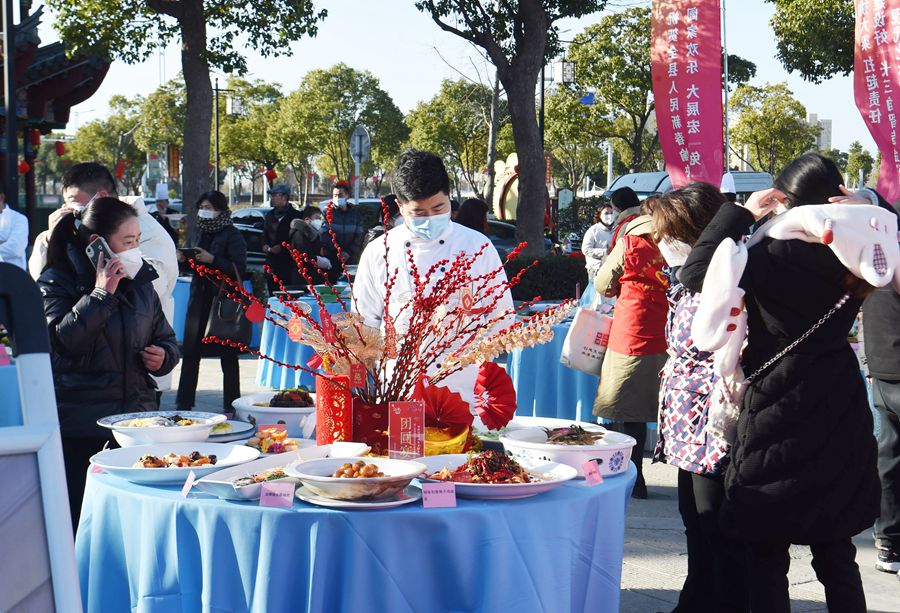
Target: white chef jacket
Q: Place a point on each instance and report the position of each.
(369, 285)
(13, 237)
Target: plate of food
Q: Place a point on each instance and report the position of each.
(410, 494)
(356, 478)
(170, 463)
(295, 408)
(152, 427)
(491, 474)
(572, 444)
(244, 482)
(231, 430)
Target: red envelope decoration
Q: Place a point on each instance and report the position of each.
(443, 408)
(495, 396)
(315, 362)
(255, 312)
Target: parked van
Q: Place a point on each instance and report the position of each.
(646, 184)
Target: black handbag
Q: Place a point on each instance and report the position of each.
(227, 319)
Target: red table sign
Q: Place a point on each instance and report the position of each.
(438, 495)
(406, 425)
(334, 409)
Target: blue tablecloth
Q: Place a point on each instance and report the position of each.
(276, 344)
(10, 409)
(546, 388)
(182, 294)
(148, 550)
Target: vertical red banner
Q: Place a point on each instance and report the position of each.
(876, 77)
(686, 65)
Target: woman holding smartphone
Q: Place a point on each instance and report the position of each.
(108, 333)
(220, 246)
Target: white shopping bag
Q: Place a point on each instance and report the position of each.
(586, 341)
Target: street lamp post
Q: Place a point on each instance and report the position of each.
(216, 93)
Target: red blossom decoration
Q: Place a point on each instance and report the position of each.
(495, 396)
(443, 408)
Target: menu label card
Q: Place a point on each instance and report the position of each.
(438, 495)
(277, 495)
(4, 357)
(96, 470)
(406, 425)
(188, 484)
(592, 472)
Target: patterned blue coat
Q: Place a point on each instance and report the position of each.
(687, 381)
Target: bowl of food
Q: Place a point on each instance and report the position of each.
(152, 427)
(573, 445)
(295, 408)
(355, 478)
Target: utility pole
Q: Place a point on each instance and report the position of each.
(9, 91)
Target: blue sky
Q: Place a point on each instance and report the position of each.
(410, 56)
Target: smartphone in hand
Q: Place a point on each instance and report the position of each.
(188, 252)
(95, 248)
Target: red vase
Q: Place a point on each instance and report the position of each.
(370, 424)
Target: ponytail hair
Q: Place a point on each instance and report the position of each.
(103, 216)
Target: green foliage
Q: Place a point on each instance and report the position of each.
(162, 117)
(772, 123)
(858, 159)
(579, 216)
(130, 30)
(247, 139)
(838, 157)
(455, 124)
(112, 139)
(577, 150)
(48, 166)
(320, 116)
(815, 37)
(554, 278)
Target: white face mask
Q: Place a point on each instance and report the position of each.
(205, 214)
(316, 223)
(675, 253)
(429, 227)
(398, 221)
(131, 261)
(607, 218)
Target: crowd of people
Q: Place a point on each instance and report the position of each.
(803, 468)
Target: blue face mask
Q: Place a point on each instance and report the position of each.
(429, 227)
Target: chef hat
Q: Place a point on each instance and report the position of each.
(728, 184)
(162, 191)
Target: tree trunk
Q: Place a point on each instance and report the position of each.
(198, 116)
(532, 189)
(492, 142)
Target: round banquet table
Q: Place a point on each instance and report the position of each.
(149, 550)
(546, 388)
(274, 342)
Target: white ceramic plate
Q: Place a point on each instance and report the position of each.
(239, 431)
(300, 421)
(221, 483)
(551, 475)
(128, 436)
(612, 452)
(408, 495)
(120, 462)
(316, 475)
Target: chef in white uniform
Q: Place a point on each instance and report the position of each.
(422, 187)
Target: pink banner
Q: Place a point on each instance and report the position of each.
(686, 63)
(876, 75)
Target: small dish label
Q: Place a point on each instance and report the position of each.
(592, 473)
(279, 495)
(438, 495)
(188, 484)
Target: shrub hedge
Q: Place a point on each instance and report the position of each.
(554, 278)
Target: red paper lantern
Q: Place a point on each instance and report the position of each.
(35, 138)
(60, 148)
(120, 169)
(271, 175)
(24, 167)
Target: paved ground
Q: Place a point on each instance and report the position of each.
(655, 559)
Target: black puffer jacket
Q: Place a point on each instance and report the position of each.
(96, 343)
(803, 466)
(229, 249)
(275, 232)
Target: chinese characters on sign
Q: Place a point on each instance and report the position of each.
(406, 426)
(686, 64)
(876, 74)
